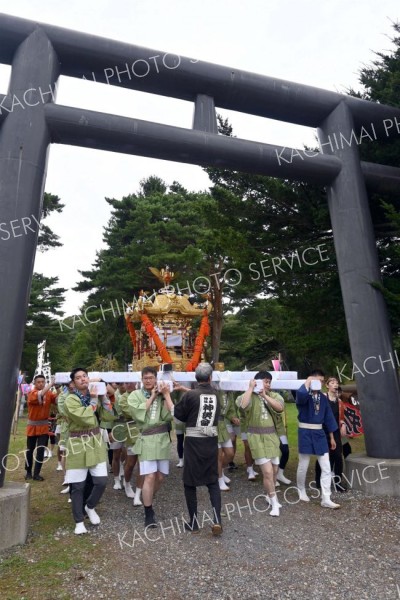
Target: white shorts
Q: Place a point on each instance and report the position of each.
(227, 444)
(284, 439)
(130, 452)
(264, 461)
(116, 445)
(243, 435)
(147, 467)
(58, 430)
(104, 435)
(233, 428)
(62, 448)
(78, 475)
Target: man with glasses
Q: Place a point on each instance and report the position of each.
(152, 409)
(314, 416)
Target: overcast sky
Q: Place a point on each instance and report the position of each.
(323, 43)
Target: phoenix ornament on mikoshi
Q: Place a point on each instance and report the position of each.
(165, 275)
(164, 331)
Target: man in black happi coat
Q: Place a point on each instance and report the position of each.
(199, 410)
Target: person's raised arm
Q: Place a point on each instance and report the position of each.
(152, 397)
(247, 395)
(45, 390)
(303, 393)
(276, 405)
(178, 387)
(164, 390)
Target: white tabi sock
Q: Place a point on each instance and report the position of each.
(281, 477)
(250, 474)
(117, 484)
(327, 502)
(128, 489)
(225, 478)
(268, 499)
(275, 506)
(222, 485)
(136, 501)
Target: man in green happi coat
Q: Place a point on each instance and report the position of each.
(152, 409)
(262, 406)
(86, 450)
(128, 432)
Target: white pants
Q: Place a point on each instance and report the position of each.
(152, 466)
(304, 461)
(227, 444)
(233, 428)
(77, 475)
(116, 445)
(264, 461)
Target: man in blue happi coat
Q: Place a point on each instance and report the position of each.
(315, 416)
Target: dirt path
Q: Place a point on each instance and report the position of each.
(307, 553)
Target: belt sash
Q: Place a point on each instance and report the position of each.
(310, 426)
(156, 429)
(261, 430)
(84, 432)
(201, 432)
(38, 423)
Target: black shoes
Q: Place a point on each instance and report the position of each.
(232, 466)
(194, 529)
(192, 526)
(150, 520)
(35, 477)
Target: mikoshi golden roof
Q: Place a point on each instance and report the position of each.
(166, 333)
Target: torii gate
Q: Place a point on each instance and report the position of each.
(31, 120)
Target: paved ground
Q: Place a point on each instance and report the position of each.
(307, 553)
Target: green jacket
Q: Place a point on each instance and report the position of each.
(262, 445)
(155, 446)
(126, 429)
(232, 411)
(223, 433)
(84, 451)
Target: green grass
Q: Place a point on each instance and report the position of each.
(36, 569)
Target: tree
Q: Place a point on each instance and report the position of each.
(159, 226)
(47, 238)
(104, 363)
(45, 303)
